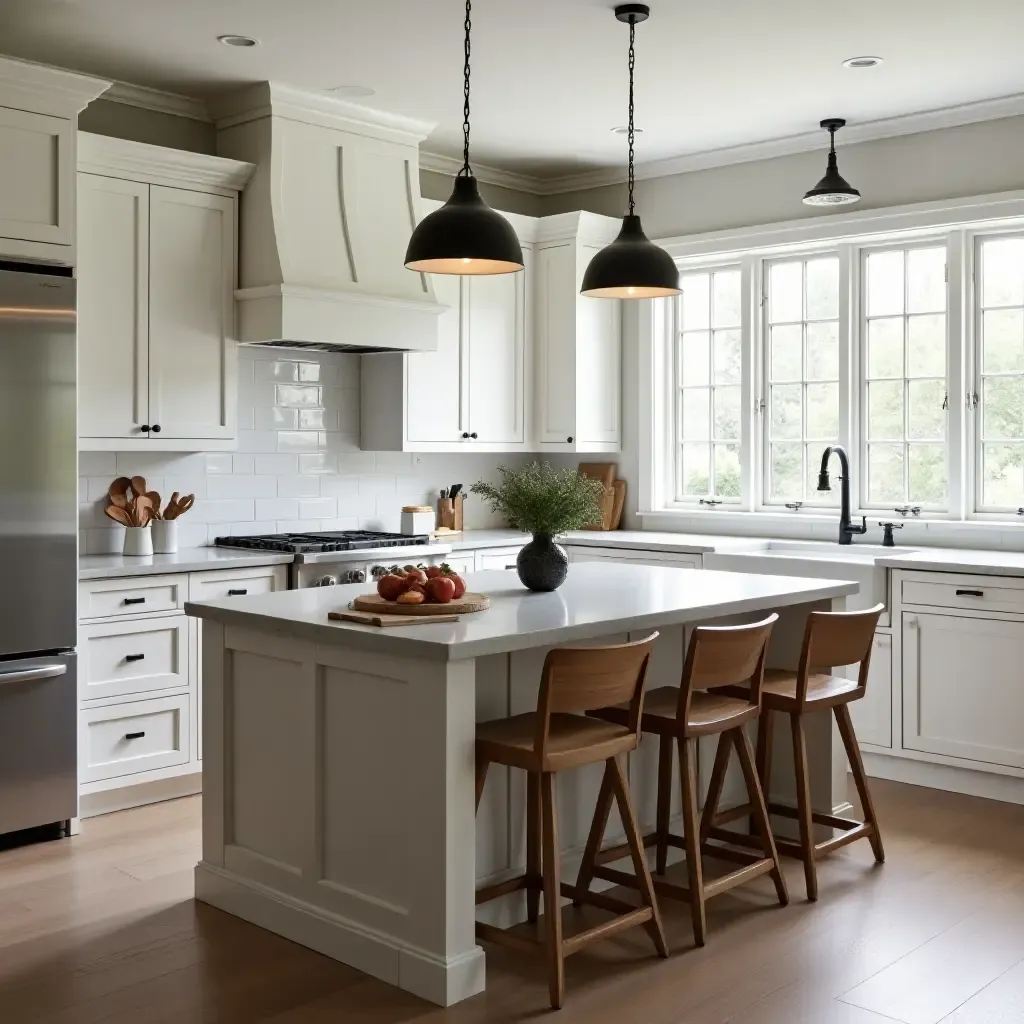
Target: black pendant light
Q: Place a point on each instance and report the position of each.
(833, 189)
(465, 236)
(632, 267)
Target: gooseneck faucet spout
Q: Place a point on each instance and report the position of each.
(847, 530)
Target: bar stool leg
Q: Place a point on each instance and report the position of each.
(597, 830)
(533, 857)
(707, 819)
(691, 835)
(664, 803)
(552, 891)
(859, 778)
(803, 804)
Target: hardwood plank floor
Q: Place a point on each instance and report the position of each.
(102, 929)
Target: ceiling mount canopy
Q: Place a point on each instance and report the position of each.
(833, 189)
(465, 236)
(632, 266)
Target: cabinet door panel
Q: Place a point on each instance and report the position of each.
(556, 343)
(113, 306)
(962, 691)
(598, 367)
(191, 352)
(872, 715)
(434, 380)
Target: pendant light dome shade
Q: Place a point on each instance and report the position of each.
(631, 267)
(465, 236)
(833, 189)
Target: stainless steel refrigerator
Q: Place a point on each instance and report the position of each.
(38, 547)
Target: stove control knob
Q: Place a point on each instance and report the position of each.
(355, 576)
(326, 581)
(378, 572)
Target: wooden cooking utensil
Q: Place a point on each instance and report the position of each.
(154, 497)
(118, 492)
(180, 507)
(118, 514)
(139, 484)
(142, 509)
(170, 506)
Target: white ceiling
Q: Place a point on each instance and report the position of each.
(550, 75)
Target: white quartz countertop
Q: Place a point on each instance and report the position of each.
(598, 599)
(645, 540)
(98, 567)
(987, 563)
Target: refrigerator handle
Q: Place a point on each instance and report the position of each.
(31, 675)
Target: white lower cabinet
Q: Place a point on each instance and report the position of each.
(128, 657)
(872, 714)
(579, 553)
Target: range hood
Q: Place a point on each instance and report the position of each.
(324, 223)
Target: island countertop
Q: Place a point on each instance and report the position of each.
(596, 600)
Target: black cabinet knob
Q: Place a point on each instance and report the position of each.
(156, 428)
(144, 428)
(568, 440)
(465, 435)
(473, 435)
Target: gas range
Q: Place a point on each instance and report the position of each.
(327, 542)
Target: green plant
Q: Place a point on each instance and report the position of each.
(541, 499)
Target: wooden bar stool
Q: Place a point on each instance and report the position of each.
(717, 655)
(831, 639)
(556, 738)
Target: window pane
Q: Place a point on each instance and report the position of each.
(1002, 272)
(885, 283)
(727, 298)
(885, 410)
(787, 471)
(823, 351)
(696, 414)
(1002, 333)
(785, 292)
(727, 470)
(823, 288)
(727, 357)
(885, 347)
(786, 345)
(786, 411)
(926, 346)
(926, 419)
(1003, 400)
(727, 413)
(696, 301)
(696, 360)
(823, 411)
(1003, 475)
(927, 471)
(885, 473)
(926, 280)
(696, 470)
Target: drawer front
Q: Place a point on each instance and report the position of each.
(991, 594)
(138, 736)
(103, 599)
(669, 560)
(215, 586)
(503, 559)
(133, 656)
(462, 562)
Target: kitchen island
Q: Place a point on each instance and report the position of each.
(338, 805)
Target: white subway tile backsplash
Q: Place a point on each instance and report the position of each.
(309, 371)
(310, 419)
(243, 463)
(274, 417)
(298, 487)
(374, 484)
(299, 441)
(97, 463)
(221, 462)
(318, 508)
(339, 486)
(242, 486)
(355, 463)
(277, 465)
(319, 463)
(276, 508)
(224, 510)
(299, 395)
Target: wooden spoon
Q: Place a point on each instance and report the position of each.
(184, 505)
(154, 497)
(143, 509)
(139, 485)
(118, 514)
(118, 492)
(169, 510)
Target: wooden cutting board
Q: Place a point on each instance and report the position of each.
(378, 606)
(369, 619)
(605, 473)
(620, 501)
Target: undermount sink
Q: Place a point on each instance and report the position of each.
(829, 552)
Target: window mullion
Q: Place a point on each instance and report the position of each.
(958, 334)
(849, 377)
(749, 382)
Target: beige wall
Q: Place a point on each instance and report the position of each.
(105, 117)
(439, 186)
(968, 160)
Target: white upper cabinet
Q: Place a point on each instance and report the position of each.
(156, 297)
(39, 107)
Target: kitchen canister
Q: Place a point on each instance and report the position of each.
(417, 519)
(138, 540)
(165, 536)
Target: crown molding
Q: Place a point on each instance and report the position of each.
(45, 90)
(439, 163)
(157, 100)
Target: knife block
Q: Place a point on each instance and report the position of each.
(449, 512)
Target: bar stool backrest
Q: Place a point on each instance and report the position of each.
(837, 639)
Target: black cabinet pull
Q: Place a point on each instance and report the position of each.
(156, 428)
(134, 600)
(568, 440)
(134, 657)
(134, 735)
(473, 435)
(238, 593)
(144, 428)
(465, 435)
(970, 593)
(510, 567)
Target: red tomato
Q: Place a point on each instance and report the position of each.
(441, 589)
(433, 571)
(390, 586)
(460, 583)
(416, 575)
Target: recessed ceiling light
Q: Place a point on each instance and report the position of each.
(862, 62)
(352, 91)
(623, 129)
(239, 41)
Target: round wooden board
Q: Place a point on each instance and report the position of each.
(465, 604)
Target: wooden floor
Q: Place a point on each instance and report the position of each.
(102, 928)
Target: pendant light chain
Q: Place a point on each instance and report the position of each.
(465, 92)
(632, 66)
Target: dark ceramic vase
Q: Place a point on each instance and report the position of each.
(542, 564)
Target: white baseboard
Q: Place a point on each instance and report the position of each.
(439, 981)
(91, 804)
(968, 781)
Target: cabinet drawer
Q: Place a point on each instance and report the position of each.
(138, 736)
(462, 563)
(133, 656)
(503, 559)
(213, 586)
(991, 594)
(103, 599)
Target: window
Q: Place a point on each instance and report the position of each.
(802, 375)
(708, 392)
(1000, 387)
(905, 394)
